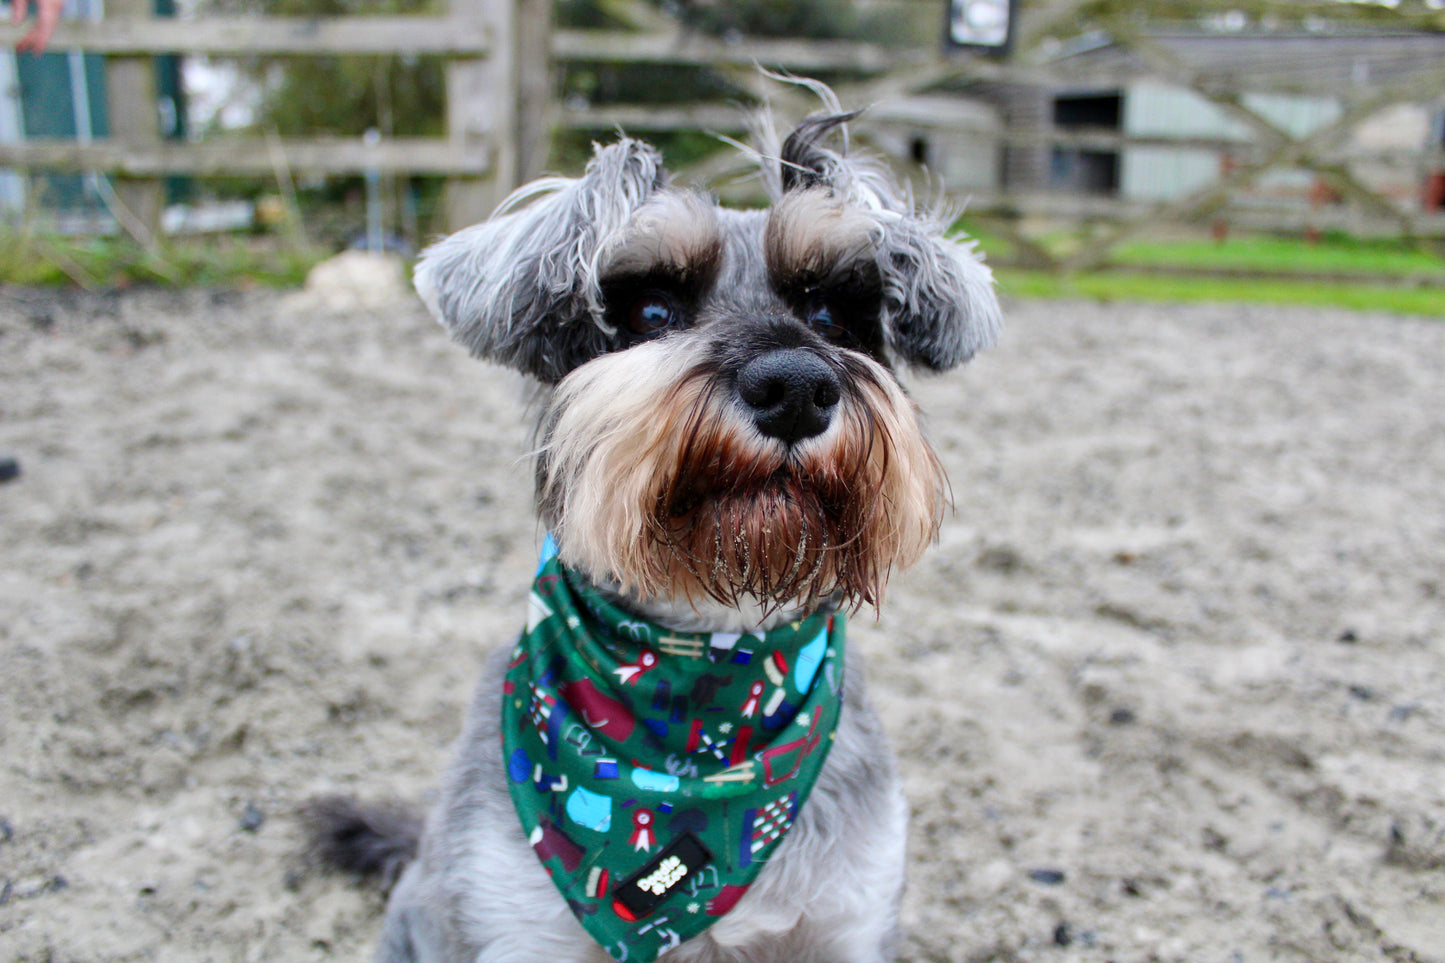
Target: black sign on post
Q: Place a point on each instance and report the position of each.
(980, 26)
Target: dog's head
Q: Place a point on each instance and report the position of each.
(722, 418)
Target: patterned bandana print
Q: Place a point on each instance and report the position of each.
(654, 771)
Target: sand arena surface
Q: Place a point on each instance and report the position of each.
(1171, 687)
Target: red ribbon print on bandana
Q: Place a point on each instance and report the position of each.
(642, 830)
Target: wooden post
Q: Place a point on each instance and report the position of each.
(500, 104)
(536, 110)
(482, 112)
(134, 121)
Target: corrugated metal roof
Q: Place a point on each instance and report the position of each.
(1305, 61)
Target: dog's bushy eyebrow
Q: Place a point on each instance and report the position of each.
(813, 239)
(676, 234)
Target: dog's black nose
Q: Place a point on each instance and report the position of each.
(792, 393)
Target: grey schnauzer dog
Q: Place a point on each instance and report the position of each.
(723, 447)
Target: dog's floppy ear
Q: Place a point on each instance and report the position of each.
(521, 289)
(939, 306)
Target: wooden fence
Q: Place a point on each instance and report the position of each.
(491, 83)
(500, 108)
(499, 101)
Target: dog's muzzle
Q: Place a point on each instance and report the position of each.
(790, 393)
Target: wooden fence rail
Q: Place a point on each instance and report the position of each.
(224, 156)
(272, 36)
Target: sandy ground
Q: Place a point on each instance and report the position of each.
(1171, 687)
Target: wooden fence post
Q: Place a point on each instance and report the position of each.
(130, 82)
(481, 103)
(500, 104)
(536, 103)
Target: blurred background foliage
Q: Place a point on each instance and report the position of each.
(399, 96)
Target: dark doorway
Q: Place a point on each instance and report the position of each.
(1086, 170)
(1089, 110)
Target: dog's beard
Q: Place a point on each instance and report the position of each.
(661, 485)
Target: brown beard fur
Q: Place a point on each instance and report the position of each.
(738, 521)
(727, 515)
(739, 518)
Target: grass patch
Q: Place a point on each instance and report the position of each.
(1393, 276)
(1110, 286)
(1331, 254)
(99, 262)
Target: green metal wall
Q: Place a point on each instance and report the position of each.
(49, 108)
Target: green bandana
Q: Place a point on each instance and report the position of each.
(655, 771)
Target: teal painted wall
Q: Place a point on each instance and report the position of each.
(48, 108)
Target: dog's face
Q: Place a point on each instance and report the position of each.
(722, 420)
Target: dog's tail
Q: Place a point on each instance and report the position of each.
(374, 841)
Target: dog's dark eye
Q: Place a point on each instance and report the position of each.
(823, 319)
(652, 312)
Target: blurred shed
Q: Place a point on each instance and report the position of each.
(957, 139)
(1175, 139)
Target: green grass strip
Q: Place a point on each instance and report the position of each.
(1107, 286)
(1329, 255)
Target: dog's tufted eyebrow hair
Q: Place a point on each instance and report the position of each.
(674, 232)
(813, 238)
